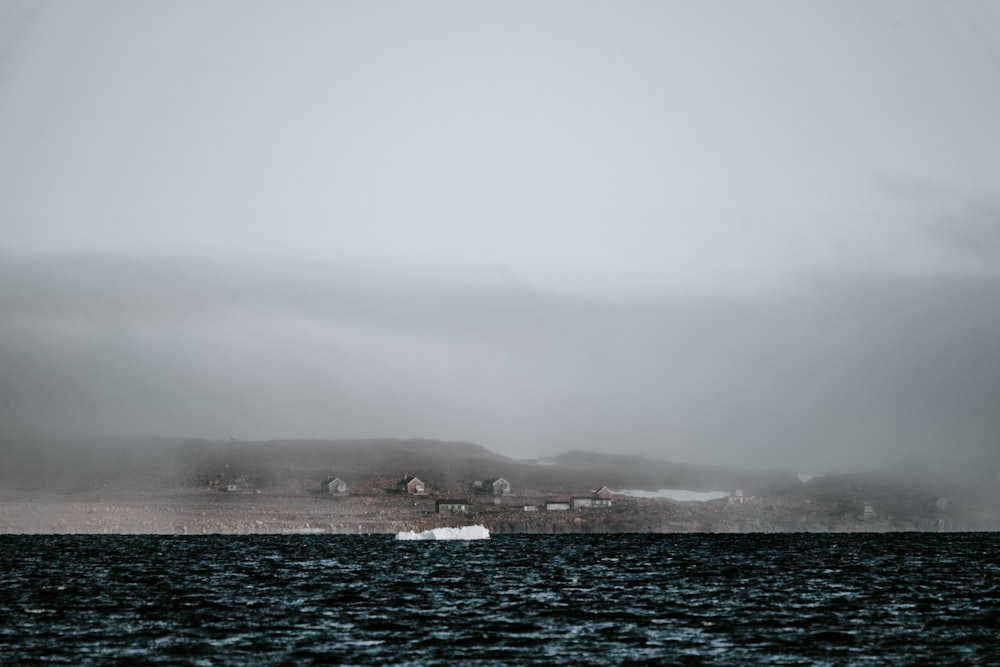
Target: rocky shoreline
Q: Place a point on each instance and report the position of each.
(173, 487)
(199, 512)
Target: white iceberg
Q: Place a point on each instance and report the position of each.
(463, 533)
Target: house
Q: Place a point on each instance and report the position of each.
(869, 511)
(445, 505)
(556, 505)
(497, 486)
(334, 485)
(411, 485)
(604, 493)
(599, 498)
(231, 488)
(530, 508)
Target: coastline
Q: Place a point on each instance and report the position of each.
(194, 487)
(200, 512)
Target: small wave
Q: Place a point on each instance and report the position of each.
(463, 533)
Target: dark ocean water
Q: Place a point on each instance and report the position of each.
(553, 600)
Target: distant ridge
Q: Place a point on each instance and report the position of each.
(38, 462)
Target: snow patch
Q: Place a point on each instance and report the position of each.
(675, 494)
(463, 533)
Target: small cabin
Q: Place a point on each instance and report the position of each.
(496, 486)
(737, 497)
(334, 485)
(447, 505)
(411, 485)
(599, 498)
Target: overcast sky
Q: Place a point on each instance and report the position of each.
(723, 232)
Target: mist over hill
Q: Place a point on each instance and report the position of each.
(71, 464)
(58, 463)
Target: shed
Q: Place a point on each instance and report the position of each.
(334, 485)
(445, 505)
(737, 497)
(556, 505)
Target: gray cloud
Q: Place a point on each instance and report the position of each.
(840, 373)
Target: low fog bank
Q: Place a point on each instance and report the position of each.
(831, 374)
(69, 465)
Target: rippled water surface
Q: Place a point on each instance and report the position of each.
(569, 599)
